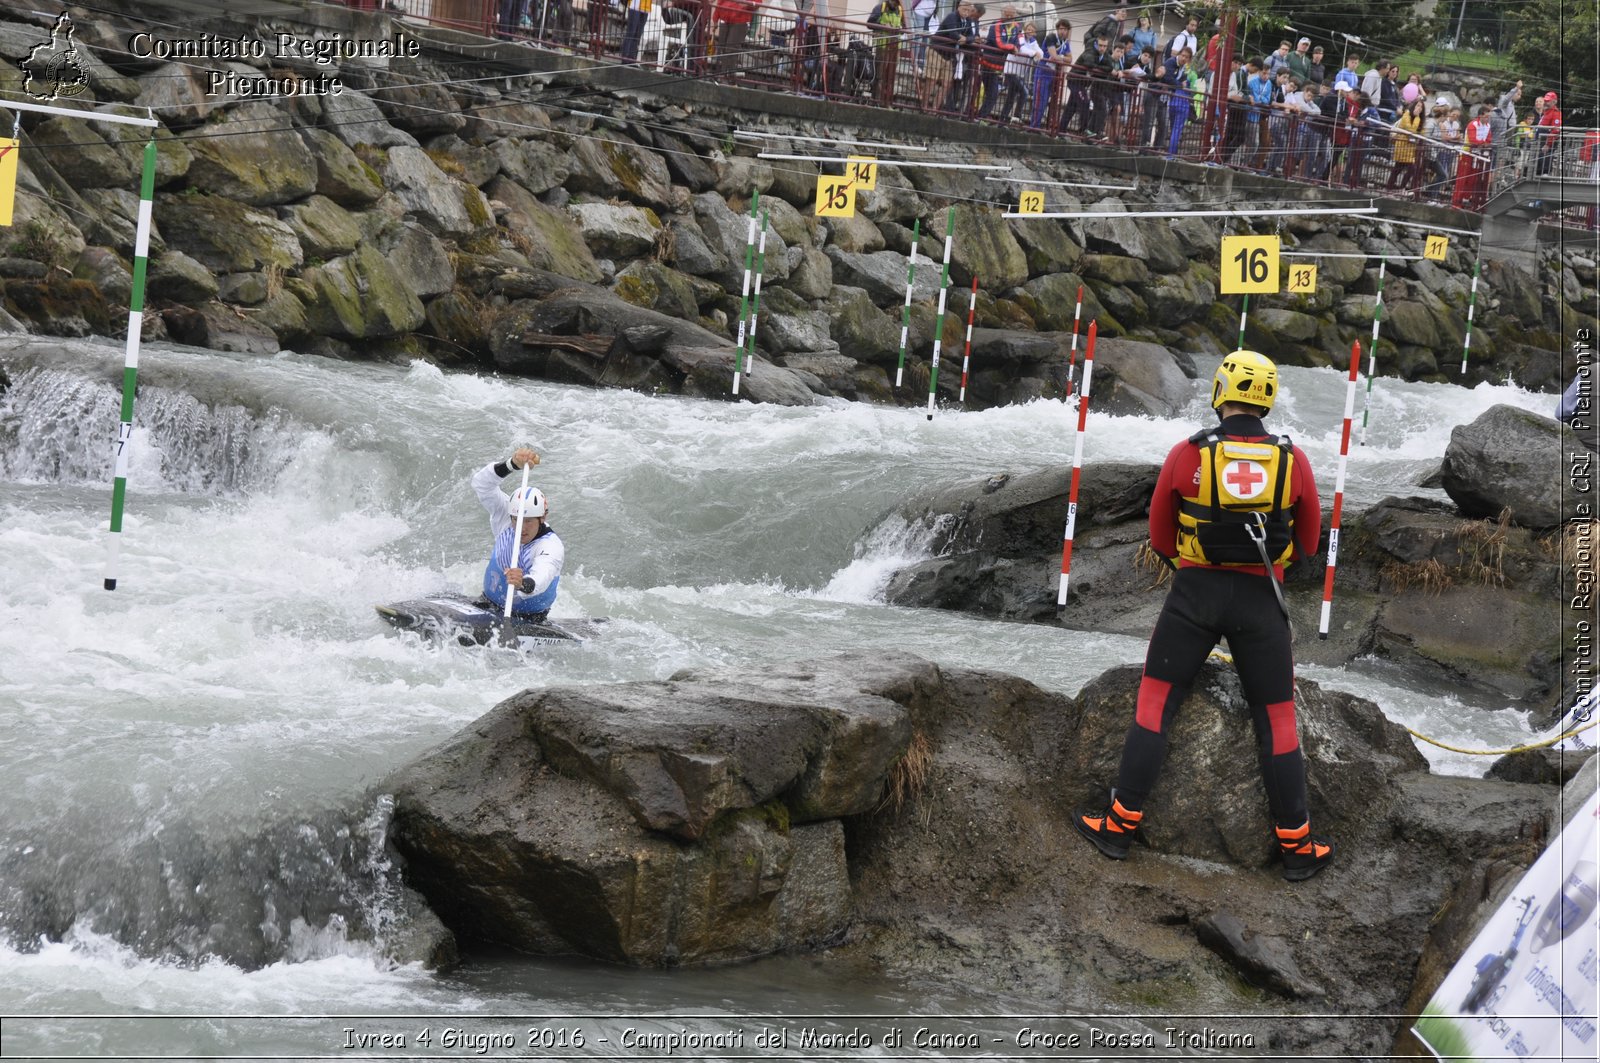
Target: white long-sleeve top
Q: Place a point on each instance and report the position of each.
(540, 560)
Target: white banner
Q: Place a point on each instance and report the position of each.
(1527, 985)
(1576, 719)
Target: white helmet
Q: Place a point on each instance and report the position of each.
(528, 502)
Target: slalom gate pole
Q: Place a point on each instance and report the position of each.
(905, 311)
(1372, 355)
(516, 547)
(744, 298)
(1244, 312)
(966, 355)
(1338, 491)
(1472, 304)
(749, 359)
(1077, 468)
(130, 365)
(944, 289)
(1072, 358)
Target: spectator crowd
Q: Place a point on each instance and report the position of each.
(1294, 112)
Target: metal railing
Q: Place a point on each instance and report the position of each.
(911, 70)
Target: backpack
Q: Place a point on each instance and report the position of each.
(1106, 27)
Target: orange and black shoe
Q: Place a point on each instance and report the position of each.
(1110, 829)
(1304, 853)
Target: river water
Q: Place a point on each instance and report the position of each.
(173, 745)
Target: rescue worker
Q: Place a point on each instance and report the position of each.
(1232, 506)
(536, 570)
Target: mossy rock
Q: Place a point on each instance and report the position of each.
(342, 175)
(361, 296)
(325, 229)
(225, 236)
(285, 314)
(550, 239)
(460, 323)
(984, 247)
(83, 154)
(1047, 245)
(259, 162)
(57, 306)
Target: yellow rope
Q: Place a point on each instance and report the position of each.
(1501, 752)
(1227, 658)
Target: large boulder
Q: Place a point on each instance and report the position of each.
(728, 234)
(325, 229)
(1509, 458)
(694, 820)
(1144, 239)
(1218, 811)
(1177, 298)
(882, 275)
(860, 329)
(1141, 379)
(611, 165)
(355, 119)
(261, 161)
(534, 164)
(445, 205)
(420, 259)
(341, 175)
(984, 247)
(1047, 245)
(82, 153)
(362, 296)
(617, 230)
(226, 236)
(551, 239)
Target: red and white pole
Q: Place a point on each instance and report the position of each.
(966, 355)
(1072, 360)
(1077, 468)
(1338, 491)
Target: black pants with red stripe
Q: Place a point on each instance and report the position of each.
(1203, 606)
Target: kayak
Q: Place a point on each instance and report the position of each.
(475, 622)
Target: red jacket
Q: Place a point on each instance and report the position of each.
(735, 11)
(1590, 152)
(1550, 121)
(1181, 472)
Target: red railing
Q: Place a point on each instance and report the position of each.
(913, 70)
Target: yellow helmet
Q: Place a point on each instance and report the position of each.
(1245, 376)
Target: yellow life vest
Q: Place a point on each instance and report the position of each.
(1237, 481)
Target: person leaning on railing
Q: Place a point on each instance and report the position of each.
(1049, 76)
(1407, 169)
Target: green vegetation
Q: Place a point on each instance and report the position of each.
(1460, 59)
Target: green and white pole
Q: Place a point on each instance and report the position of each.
(1372, 355)
(744, 297)
(944, 289)
(1472, 304)
(743, 362)
(1244, 312)
(755, 300)
(130, 370)
(905, 311)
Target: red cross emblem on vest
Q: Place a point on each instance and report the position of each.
(1244, 479)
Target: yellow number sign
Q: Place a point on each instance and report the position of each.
(836, 197)
(1302, 280)
(1030, 202)
(1249, 265)
(8, 178)
(863, 170)
(1436, 247)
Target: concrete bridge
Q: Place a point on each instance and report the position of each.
(1511, 219)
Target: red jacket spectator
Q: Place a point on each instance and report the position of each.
(735, 11)
(1550, 121)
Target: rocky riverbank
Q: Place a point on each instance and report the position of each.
(919, 816)
(1464, 594)
(430, 211)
